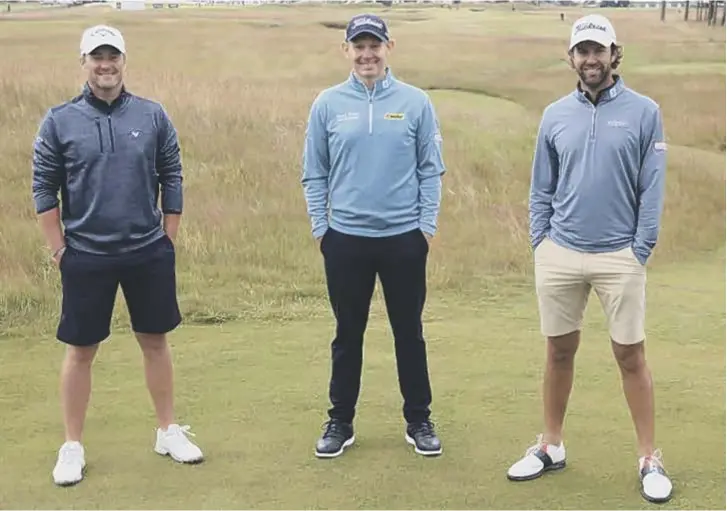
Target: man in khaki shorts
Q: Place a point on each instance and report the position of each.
(595, 210)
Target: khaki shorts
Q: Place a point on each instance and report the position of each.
(564, 278)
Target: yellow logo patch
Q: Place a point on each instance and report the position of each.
(394, 116)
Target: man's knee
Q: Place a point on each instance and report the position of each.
(81, 355)
(630, 357)
(562, 348)
(152, 343)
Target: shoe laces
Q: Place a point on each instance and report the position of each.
(538, 446)
(653, 462)
(179, 432)
(69, 454)
(425, 429)
(334, 429)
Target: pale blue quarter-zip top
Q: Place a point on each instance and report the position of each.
(372, 161)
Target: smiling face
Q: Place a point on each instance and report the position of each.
(369, 56)
(105, 68)
(593, 63)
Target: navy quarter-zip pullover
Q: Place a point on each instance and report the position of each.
(110, 164)
(598, 173)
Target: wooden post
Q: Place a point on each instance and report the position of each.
(724, 11)
(663, 10)
(717, 5)
(686, 11)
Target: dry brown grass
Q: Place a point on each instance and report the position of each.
(238, 84)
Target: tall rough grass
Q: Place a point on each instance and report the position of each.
(238, 84)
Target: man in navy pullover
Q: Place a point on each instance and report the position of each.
(372, 168)
(111, 154)
(595, 208)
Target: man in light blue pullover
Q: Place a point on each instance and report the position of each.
(372, 168)
(595, 208)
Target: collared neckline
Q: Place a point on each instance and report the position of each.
(382, 83)
(102, 105)
(605, 95)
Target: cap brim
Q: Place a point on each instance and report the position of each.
(92, 48)
(596, 37)
(368, 32)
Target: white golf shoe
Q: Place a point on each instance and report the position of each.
(174, 442)
(538, 459)
(70, 464)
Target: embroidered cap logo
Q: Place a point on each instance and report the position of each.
(102, 32)
(590, 26)
(367, 21)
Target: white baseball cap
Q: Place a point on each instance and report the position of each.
(593, 27)
(101, 35)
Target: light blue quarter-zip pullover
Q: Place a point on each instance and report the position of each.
(372, 162)
(598, 173)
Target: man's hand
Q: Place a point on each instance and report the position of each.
(171, 226)
(57, 255)
(319, 239)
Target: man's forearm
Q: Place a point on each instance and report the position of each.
(50, 225)
(316, 197)
(540, 215)
(171, 225)
(430, 192)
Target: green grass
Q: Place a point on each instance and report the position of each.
(255, 394)
(252, 359)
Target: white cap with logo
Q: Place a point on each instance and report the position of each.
(593, 27)
(101, 35)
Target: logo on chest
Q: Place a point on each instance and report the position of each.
(135, 133)
(618, 124)
(394, 116)
(348, 116)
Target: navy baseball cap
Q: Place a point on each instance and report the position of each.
(367, 24)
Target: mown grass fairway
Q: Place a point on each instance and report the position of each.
(252, 358)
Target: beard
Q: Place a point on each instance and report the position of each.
(594, 77)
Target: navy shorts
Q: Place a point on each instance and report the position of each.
(90, 283)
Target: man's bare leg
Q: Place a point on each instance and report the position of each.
(159, 373)
(557, 383)
(639, 392)
(76, 388)
(75, 395)
(549, 453)
(171, 438)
